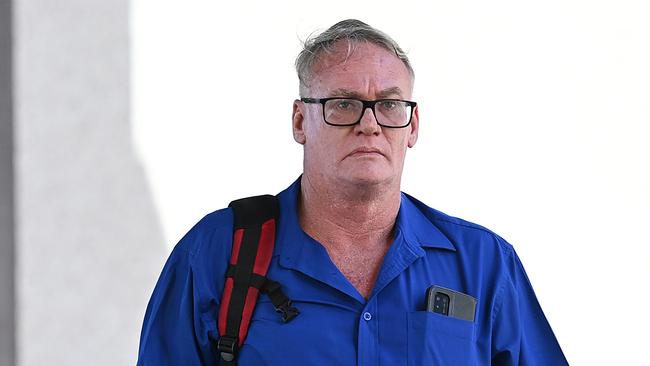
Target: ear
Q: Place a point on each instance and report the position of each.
(298, 118)
(414, 126)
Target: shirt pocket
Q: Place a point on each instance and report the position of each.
(435, 339)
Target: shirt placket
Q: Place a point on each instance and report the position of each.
(397, 261)
(368, 337)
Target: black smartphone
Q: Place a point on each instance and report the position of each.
(451, 303)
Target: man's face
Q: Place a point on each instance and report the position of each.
(364, 154)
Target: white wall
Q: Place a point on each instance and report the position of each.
(534, 122)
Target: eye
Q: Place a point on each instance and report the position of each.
(388, 105)
(344, 104)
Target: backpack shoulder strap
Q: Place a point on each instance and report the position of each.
(254, 226)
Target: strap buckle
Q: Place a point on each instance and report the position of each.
(228, 347)
(287, 311)
(281, 302)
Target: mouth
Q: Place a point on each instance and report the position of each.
(365, 151)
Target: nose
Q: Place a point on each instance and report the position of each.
(368, 124)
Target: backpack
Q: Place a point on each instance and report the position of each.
(255, 220)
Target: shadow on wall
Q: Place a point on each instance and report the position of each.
(88, 240)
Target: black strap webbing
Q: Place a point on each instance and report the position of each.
(273, 289)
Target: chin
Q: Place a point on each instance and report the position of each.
(367, 177)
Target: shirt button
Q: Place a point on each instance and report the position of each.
(367, 316)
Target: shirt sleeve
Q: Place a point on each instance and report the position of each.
(173, 332)
(521, 333)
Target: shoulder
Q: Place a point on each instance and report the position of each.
(198, 263)
(481, 257)
(210, 237)
(464, 235)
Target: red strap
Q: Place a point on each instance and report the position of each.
(262, 261)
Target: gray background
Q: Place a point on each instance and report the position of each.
(6, 192)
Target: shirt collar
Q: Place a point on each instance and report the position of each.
(416, 228)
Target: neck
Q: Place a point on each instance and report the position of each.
(340, 215)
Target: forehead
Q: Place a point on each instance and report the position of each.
(363, 68)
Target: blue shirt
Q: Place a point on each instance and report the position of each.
(336, 325)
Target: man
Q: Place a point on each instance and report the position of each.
(354, 254)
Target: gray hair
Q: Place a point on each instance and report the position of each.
(354, 32)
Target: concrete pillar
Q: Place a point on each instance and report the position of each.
(88, 242)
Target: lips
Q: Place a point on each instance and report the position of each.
(365, 150)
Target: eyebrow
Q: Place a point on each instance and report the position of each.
(394, 91)
(342, 92)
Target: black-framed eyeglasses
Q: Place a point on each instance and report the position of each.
(391, 113)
